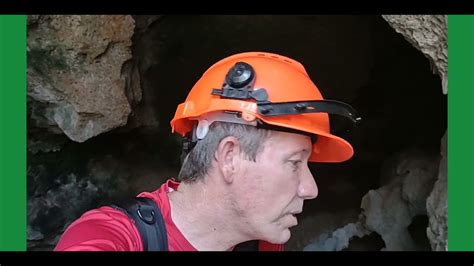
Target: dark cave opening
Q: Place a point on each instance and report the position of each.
(371, 242)
(417, 230)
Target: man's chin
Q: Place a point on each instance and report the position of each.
(283, 237)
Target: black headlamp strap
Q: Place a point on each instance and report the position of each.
(303, 107)
(238, 84)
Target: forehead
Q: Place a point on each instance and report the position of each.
(287, 142)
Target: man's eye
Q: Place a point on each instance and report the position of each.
(296, 163)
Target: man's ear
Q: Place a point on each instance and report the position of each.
(228, 157)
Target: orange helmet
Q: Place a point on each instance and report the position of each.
(265, 90)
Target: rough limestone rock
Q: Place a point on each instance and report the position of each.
(52, 210)
(311, 227)
(75, 85)
(390, 210)
(427, 33)
(339, 239)
(437, 204)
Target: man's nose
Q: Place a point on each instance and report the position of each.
(307, 188)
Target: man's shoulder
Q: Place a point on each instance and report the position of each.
(110, 228)
(105, 213)
(104, 228)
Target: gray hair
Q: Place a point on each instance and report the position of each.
(198, 161)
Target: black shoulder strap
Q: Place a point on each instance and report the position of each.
(149, 222)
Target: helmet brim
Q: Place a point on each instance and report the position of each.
(328, 148)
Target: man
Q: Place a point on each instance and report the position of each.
(251, 123)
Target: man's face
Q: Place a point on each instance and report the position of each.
(272, 189)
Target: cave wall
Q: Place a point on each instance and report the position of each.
(429, 34)
(102, 90)
(75, 84)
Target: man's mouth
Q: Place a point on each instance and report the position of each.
(295, 214)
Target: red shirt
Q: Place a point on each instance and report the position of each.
(108, 229)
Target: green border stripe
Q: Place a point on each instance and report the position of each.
(12, 133)
(461, 133)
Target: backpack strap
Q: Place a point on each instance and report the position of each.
(150, 223)
(148, 220)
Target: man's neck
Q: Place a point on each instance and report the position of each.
(200, 212)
